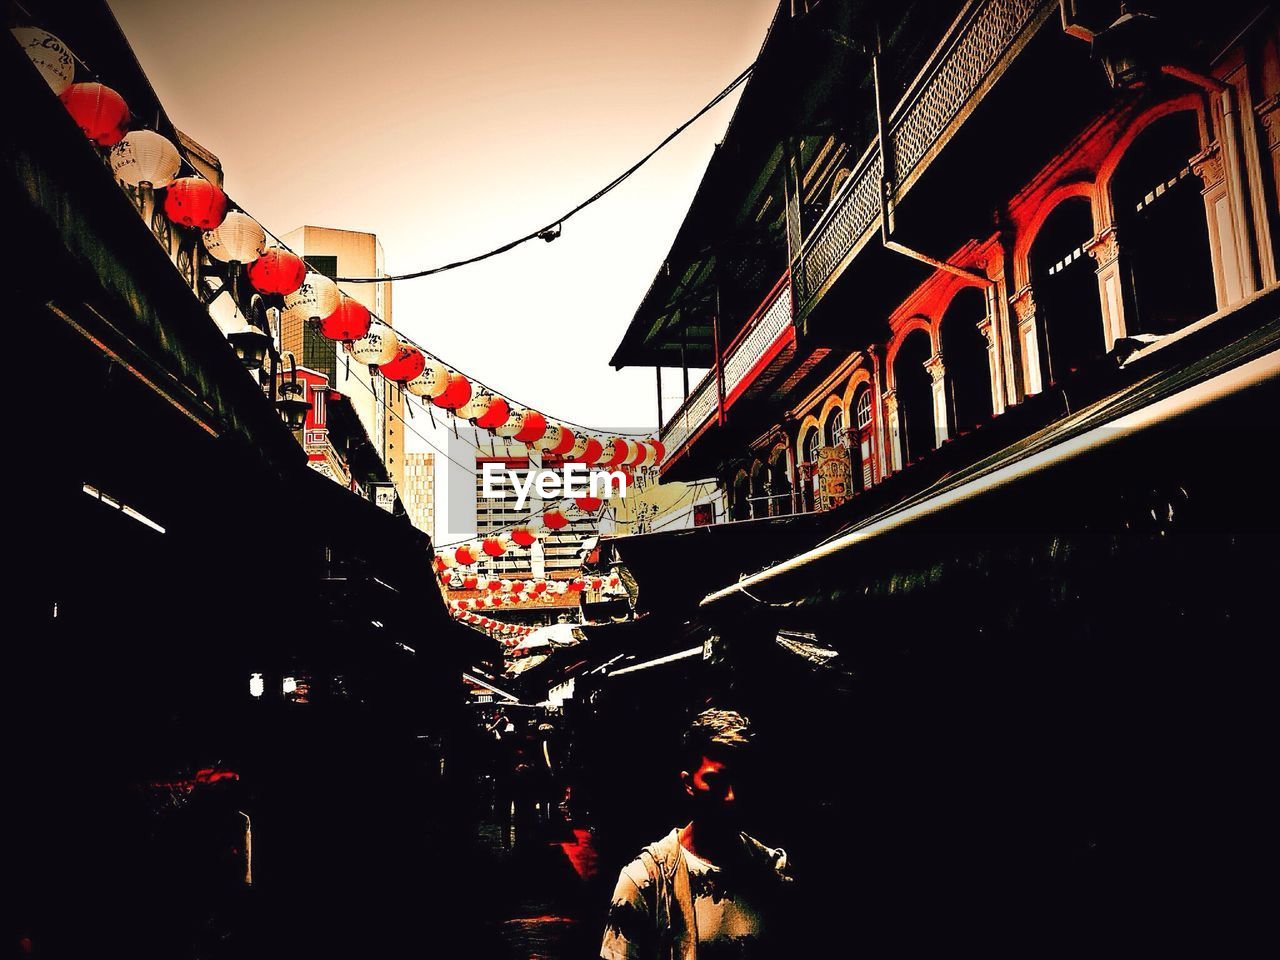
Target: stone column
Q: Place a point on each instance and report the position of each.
(878, 431)
(938, 376)
(1105, 250)
(895, 430)
(1024, 309)
(1228, 280)
(988, 329)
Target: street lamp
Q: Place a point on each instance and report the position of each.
(291, 401)
(1132, 49)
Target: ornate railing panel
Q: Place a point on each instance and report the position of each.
(769, 323)
(977, 42)
(692, 414)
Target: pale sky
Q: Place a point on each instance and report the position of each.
(447, 129)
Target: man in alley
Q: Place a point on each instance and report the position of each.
(706, 890)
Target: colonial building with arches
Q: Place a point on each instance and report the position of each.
(1054, 194)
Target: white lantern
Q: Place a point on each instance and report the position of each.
(550, 439)
(514, 424)
(238, 239)
(49, 54)
(478, 405)
(448, 559)
(431, 381)
(506, 586)
(315, 299)
(650, 455)
(145, 157)
(376, 347)
(579, 447)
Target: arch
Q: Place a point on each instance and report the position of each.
(741, 507)
(1029, 232)
(862, 434)
(913, 387)
(759, 489)
(1070, 326)
(899, 337)
(779, 480)
(1166, 254)
(964, 357)
(860, 376)
(1188, 102)
(808, 438)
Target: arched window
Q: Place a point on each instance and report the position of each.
(964, 357)
(779, 483)
(861, 440)
(759, 490)
(741, 495)
(914, 390)
(812, 441)
(1068, 306)
(1162, 230)
(834, 433)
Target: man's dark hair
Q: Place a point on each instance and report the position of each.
(715, 733)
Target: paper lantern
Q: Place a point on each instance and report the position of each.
(539, 586)
(477, 404)
(50, 56)
(595, 583)
(479, 603)
(591, 451)
(464, 555)
(143, 157)
(446, 576)
(638, 452)
(456, 393)
(650, 454)
(588, 504)
(238, 239)
(497, 414)
(614, 453)
(317, 297)
(462, 604)
(98, 110)
(534, 426)
(558, 440)
(492, 584)
(659, 451)
(469, 581)
(405, 365)
(431, 382)
(614, 580)
(516, 587)
(494, 546)
(554, 519)
(277, 271)
(524, 535)
(448, 559)
(576, 584)
(195, 202)
(377, 346)
(514, 422)
(349, 322)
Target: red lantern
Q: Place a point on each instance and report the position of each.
(516, 586)
(616, 452)
(535, 425)
(613, 581)
(659, 451)
(445, 577)
(596, 583)
(523, 536)
(565, 445)
(495, 416)
(576, 584)
(555, 519)
(276, 271)
(478, 603)
(455, 394)
(349, 322)
(588, 504)
(407, 364)
(539, 586)
(492, 584)
(493, 546)
(463, 604)
(469, 581)
(641, 451)
(195, 202)
(592, 452)
(464, 556)
(100, 112)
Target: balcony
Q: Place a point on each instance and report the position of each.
(980, 44)
(760, 347)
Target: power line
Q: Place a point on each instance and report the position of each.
(552, 229)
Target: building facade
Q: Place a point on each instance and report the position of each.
(419, 491)
(886, 313)
(380, 404)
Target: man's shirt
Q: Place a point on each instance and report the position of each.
(728, 910)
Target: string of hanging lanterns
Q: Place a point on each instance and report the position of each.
(148, 162)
